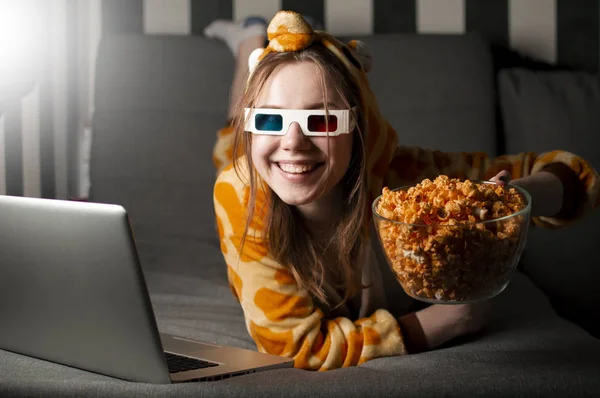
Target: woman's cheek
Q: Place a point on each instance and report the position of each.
(262, 148)
(343, 153)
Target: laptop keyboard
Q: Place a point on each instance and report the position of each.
(179, 363)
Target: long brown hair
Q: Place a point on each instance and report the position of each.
(288, 240)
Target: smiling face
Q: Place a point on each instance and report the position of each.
(294, 165)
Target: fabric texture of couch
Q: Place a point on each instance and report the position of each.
(543, 110)
(159, 102)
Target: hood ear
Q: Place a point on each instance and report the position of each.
(363, 54)
(254, 58)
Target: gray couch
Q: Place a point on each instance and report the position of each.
(159, 102)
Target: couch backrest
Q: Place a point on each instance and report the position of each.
(543, 111)
(159, 102)
(436, 90)
(161, 99)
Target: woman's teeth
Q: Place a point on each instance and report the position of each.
(296, 168)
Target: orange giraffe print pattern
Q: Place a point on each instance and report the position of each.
(280, 316)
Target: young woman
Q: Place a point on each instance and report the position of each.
(293, 196)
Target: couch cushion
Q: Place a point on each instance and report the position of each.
(559, 110)
(163, 72)
(548, 110)
(437, 91)
(527, 351)
(159, 103)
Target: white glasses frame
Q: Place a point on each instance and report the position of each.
(346, 120)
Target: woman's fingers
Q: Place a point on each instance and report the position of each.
(502, 178)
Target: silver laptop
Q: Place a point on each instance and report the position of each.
(72, 292)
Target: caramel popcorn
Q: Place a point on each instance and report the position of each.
(452, 240)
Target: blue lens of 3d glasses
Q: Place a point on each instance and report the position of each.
(266, 122)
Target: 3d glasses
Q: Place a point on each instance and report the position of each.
(314, 122)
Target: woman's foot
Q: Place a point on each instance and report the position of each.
(235, 32)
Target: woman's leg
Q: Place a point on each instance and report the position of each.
(241, 38)
(241, 70)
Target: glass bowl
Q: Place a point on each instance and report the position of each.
(454, 264)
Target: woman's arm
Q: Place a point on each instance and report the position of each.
(547, 191)
(280, 316)
(223, 150)
(441, 323)
(283, 320)
(564, 186)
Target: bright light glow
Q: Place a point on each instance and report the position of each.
(20, 46)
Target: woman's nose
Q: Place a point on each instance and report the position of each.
(294, 139)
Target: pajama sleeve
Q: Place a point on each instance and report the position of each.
(581, 182)
(281, 317)
(223, 149)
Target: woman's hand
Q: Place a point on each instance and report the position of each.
(444, 322)
(545, 188)
(502, 178)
